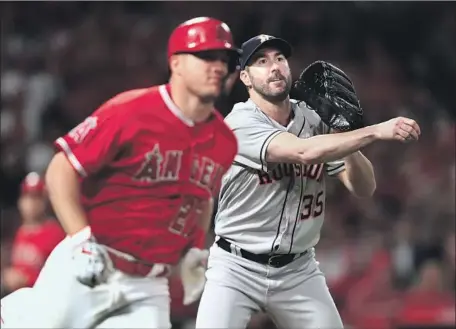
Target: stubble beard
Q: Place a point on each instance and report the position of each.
(265, 91)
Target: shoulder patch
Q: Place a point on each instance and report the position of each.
(80, 132)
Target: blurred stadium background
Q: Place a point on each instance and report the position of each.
(389, 261)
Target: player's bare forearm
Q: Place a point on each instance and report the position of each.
(64, 194)
(359, 177)
(286, 147)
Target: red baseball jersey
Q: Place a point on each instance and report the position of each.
(146, 170)
(32, 246)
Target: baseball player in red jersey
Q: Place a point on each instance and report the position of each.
(34, 240)
(133, 185)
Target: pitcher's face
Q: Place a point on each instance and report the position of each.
(268, 74)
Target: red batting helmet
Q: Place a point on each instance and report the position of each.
(33, 183)
(201, 34)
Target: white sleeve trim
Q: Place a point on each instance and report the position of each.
(264, 148)
(71, 157)
(335, 170)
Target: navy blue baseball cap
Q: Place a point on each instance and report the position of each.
(251, 46)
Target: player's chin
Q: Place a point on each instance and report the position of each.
(277, 89)
(277, 95)
(212, 92)
(280, 89)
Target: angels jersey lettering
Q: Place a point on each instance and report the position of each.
(146, 171)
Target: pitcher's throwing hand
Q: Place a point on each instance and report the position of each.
(400, 128)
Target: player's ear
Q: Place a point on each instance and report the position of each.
(245, 78)
(175, 64)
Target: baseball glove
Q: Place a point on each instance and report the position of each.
(329, 91)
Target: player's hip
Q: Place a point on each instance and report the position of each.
(238, 273)
(146, 244)
(265, 241)
(224, 252)
(59, 261)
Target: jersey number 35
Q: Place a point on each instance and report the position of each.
(312, 206)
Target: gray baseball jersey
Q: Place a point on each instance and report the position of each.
(272, 207)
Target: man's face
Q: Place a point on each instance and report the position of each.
(268, 74)
(204, 73)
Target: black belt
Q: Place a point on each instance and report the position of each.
(278, 260)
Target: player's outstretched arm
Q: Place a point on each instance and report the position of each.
(286, 147)
(62, 182)
(358, 176)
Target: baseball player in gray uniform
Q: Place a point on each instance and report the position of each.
(272, 200)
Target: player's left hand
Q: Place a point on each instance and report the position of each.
(193, 269)
(328, 91)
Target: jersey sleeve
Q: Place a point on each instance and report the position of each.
(94, 142)
(253, 133)
(334, 167)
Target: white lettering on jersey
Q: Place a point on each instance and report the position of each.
(80, 132)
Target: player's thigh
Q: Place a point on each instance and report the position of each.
(224, 307)
(306, 305)
(153, 313)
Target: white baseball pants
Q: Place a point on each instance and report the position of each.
(296, 296)
(59, 300)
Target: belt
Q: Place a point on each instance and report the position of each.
(135, 267)
(277, 260)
